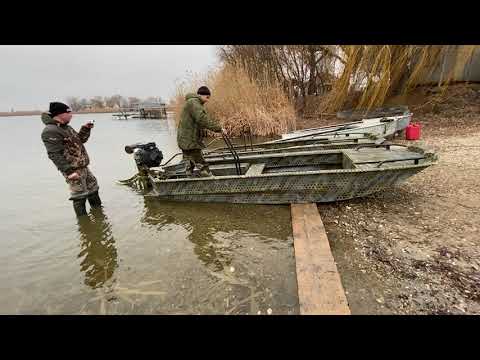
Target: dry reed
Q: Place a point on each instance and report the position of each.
(238, 102)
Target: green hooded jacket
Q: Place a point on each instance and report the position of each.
(64, 145)
(193, 120)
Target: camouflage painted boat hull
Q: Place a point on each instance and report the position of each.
(317, 176)
(318, 187)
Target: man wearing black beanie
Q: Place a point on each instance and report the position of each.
(193, 120)
(65, 148)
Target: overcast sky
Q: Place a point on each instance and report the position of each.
(32, 76)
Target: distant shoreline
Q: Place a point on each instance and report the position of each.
(38, 112)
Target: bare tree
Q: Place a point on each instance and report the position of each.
(98, 102)
(301, 70)
(83, 103)
(114, 100)
(74, 103)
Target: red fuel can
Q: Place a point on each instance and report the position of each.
(412, 132)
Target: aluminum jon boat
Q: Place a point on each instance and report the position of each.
(292, 177)
(381, 126)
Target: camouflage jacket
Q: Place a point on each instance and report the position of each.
(193, 120)
(64, 145)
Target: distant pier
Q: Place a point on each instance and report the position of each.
(143, 111)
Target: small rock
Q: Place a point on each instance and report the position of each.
(347, 207)
(269, 311)
(259, 312)
(232, 269)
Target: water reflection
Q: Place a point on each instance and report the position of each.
(209, 224)
(201, 231)
(97, 248)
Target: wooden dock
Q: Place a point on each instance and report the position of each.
(320, 289)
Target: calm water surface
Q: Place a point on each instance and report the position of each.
(137, 255)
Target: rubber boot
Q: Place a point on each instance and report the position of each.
(189, 168)
(205, 172)
(94, 200)
(79, 207)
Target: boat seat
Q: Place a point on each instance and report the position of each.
(255, 169)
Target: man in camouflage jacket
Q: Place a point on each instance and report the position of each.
(65, 148)
(193, 120)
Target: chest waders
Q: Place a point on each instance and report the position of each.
(79, 202)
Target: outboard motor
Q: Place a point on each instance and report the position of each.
(146, 155)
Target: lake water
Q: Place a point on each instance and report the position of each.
(137, 255)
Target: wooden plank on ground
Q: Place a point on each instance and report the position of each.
(320, 290)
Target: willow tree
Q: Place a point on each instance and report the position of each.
(381, 71)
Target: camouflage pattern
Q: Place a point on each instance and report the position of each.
(64, 145)
(66, 150)
(319, 187)
(292, 178)
(193, 121)
(86, 184)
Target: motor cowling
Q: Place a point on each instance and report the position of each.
(145, 154)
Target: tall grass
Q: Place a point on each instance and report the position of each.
(238, 101)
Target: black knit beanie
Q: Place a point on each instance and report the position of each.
(203, 90)
(57, 108)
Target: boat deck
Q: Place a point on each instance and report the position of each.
(381, 158)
